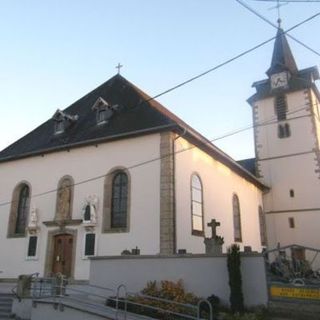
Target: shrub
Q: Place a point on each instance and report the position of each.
(235, 281)
(168, 290)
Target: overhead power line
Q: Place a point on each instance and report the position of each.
(275, 26)
(288, 0)
(176, 87)
(140, 164)
(230, 60)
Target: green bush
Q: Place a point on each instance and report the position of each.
(168, 290)
(235, 281)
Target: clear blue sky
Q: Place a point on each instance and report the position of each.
(54, 52)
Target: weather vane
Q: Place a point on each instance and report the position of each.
(278, 6)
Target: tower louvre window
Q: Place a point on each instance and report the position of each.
(281, 107)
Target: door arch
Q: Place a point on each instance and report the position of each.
(61, 252)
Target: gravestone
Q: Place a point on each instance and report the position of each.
(214, 244)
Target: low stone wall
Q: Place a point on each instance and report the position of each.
(202, 274)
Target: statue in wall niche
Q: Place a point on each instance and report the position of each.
(64, 200)
(33, 219)
(90, 209)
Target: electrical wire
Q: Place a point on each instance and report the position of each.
(174, 88)
(264, 123)
(287, 0)
(275, 26)
(228, 61)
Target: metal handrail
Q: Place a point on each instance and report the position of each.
(68, 289)
(160, 309)
(199, 308)
(122, 286)
(185, 305)
(62, 290)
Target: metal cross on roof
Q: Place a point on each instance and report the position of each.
(119, 66)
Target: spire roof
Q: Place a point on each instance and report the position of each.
(282, 58)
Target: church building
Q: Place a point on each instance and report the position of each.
(117, 171)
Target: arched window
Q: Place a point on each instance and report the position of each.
(263, 230)
(196, 206)
(236, 219)
(119, 200)
(23, 210)
(87, 213)
(116, 203)
(64, 199)
(19, 210)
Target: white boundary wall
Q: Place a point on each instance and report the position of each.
(202, 275)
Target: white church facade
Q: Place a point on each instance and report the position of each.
(117, 171)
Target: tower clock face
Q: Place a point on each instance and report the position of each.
(279, 80)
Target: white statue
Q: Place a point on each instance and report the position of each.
(92, 202)
(33, 219)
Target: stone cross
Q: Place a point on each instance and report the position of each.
(213, 224)
(119, 66)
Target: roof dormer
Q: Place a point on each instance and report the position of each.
(104, 110)
(62, 121)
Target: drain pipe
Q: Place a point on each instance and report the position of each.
(174, 186)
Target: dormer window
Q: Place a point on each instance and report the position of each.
(101, 115)
(104, 110)
(62, 120)
(59, 126)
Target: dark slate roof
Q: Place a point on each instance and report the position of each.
(133, 116)
(249, 165)
(137, 114)
(282, 58)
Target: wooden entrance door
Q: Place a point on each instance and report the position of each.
(62, 254)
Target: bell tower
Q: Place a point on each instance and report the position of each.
(286, 118)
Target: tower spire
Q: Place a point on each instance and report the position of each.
(282, 57)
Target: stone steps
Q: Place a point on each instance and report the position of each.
(5, 306)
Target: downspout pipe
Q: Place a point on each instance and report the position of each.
(174, 187)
